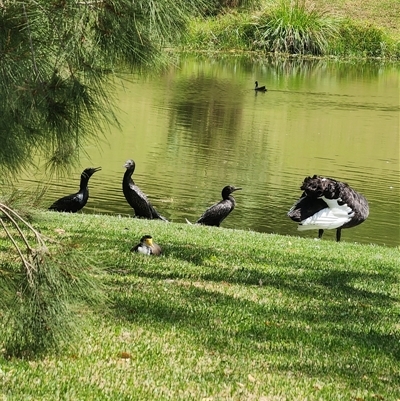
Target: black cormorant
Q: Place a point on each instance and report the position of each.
(147, 246)
(215, 214)
(135, 197)
(260, 88)
(75, 202)
(328, 204)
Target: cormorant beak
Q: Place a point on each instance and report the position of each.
(236, 189)
(88, 172)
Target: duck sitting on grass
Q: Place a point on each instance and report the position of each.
(146, 246)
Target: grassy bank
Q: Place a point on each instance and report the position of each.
(383, 14)
(222, 315)
(319, 28)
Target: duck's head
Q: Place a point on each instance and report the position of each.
(147, 240)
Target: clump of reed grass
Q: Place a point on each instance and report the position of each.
(294, 27)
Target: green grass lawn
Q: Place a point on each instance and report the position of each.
(222, 315)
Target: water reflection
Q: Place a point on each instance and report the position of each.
(201, 126)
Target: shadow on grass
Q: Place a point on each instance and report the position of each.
(300, 275)
(299, 339)
(311, 317)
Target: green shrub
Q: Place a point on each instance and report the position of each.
(295, 28)
(396, 50)
(230, 31)
(360, 39)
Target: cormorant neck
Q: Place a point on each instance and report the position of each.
(128, 173)
(227, 195)
(84, 182)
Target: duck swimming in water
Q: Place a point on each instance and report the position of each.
(216, 213)
(328, 204)
(147, 246)
(75, 202)
(260, 88)
(135, 197)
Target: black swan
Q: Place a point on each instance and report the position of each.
(328, 204)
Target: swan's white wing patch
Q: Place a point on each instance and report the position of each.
(324, 219)
(338, 210)
(331, 217)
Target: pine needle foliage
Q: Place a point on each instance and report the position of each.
(294, 27)
(56, 58)
(43, 288)
(55, 61)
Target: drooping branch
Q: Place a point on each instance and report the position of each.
(41, 248)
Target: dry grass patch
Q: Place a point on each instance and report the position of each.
(383, 13)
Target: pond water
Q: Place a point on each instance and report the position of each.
(200, 126)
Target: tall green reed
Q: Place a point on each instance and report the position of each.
(294, 27)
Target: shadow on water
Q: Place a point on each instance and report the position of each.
(202, 112)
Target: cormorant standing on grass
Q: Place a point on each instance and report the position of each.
(135, 197)
(328, 204)
(75, 202)
(215, 214)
